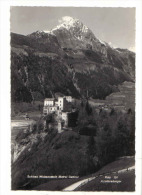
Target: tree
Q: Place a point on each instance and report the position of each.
(91, 149)
(82, 104)
(131, 126)
(112, 112)
(91, 152)
(122, 137)
(88, 108)
(129, 111)
(34, 128)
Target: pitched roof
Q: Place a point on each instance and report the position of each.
(49, 99)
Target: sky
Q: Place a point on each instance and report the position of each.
(115, 26)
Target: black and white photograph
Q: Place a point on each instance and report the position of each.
(72, 98)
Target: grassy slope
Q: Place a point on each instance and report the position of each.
(127, 183)
(119, 164)
(127, 91)
(124, 96)
(18, 110)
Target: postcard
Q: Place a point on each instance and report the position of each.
(73, 98)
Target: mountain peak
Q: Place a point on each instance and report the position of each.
(68, 22)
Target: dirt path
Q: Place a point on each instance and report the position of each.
(20, 123)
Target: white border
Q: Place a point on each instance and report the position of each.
(5, 175)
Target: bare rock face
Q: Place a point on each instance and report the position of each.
(70, 60)
(75, 35)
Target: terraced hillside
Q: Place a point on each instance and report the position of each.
(125, 96)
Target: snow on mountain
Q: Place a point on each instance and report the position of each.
(40, 33)
(69, 22)
(72, 33)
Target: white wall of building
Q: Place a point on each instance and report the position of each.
(61, 101)
(68, 98)
(49, 102)
(49, 109)
(50, 105)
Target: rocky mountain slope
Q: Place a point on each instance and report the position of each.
(69, 59)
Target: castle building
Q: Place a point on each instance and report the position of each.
(62, 103)
(50, 105)
(66, 117)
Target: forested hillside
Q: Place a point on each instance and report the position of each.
(69, 60)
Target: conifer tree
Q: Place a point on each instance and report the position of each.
(88, 108)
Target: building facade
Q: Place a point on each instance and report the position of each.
(62, 103)
(51, 105)
(49, 102)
